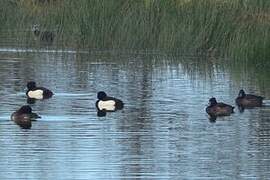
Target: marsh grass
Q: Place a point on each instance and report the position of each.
(236, 28)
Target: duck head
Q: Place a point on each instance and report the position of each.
(241, 93)
(212, 101)
(101, 95)
(31, 85)
(25, 109)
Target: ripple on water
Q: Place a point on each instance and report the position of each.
(163, 131)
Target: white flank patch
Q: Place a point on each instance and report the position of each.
(106, 105)
(37, 94)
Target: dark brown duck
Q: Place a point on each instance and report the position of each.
(218, 108)
(248, 100)
(24, 117)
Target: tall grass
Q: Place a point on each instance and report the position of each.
(237, 28)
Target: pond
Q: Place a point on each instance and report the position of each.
(163, 131)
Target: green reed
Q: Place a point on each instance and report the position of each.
(236, 28)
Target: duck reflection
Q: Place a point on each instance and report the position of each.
(212, 119)
(31, 101)
(102, 113)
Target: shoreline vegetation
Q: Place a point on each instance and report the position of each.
(234, 28)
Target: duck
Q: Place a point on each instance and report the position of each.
(108, 104)
(39, 93)
(45, 36)
(248, 100)
(24, 117)
(218, 108)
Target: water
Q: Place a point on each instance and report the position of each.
(163, 131)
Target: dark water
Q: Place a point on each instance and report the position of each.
(163, 132)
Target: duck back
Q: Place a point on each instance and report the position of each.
(249, 101)
(23, 120)
(220, 109)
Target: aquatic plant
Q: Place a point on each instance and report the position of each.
(234, 28)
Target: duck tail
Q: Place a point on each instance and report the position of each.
(119, 104)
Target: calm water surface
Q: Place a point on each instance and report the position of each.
(163, 132)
